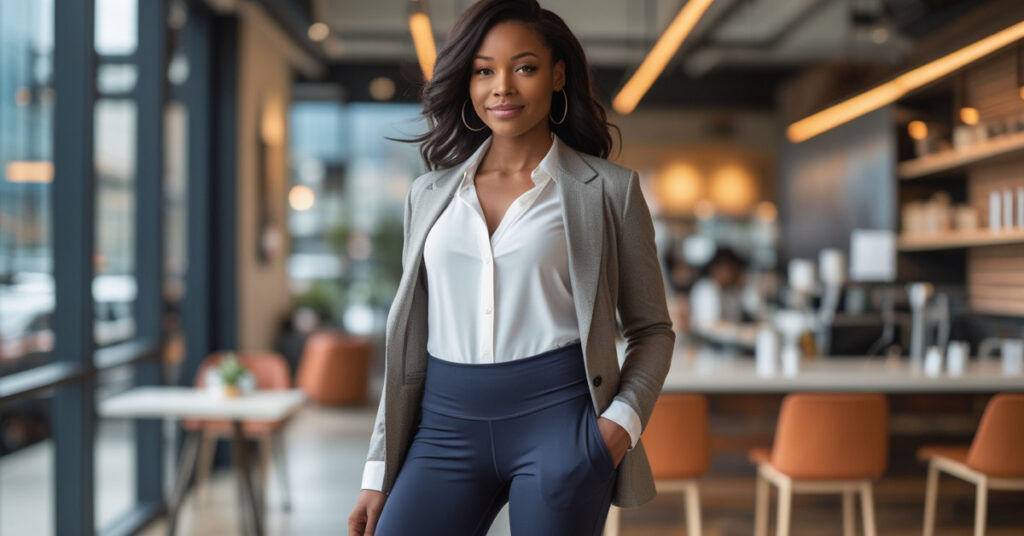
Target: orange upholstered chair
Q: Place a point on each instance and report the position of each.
(335, 368)
(270, 370)
(824, 443)
(994, 459)
(678, 447)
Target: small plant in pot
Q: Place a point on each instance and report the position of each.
(230, 378)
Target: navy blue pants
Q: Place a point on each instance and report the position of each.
(522, 432)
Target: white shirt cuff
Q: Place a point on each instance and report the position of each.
(373, 475)
(624, 416)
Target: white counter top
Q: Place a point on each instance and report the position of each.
(708, 373)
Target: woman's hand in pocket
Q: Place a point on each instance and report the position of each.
(363, 519)
(616, 438)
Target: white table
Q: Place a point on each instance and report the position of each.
(712, 373)
(171, 402)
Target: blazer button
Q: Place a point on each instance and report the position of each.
(597, 381)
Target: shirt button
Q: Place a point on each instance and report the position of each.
(487, 310)
(597, 381)
(487, 260)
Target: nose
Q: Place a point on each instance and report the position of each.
(502, 85)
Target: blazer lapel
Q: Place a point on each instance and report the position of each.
(583, 217)
(582, 202)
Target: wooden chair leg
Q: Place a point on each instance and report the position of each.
(931, 497)
(867, 504)
(204, 467)
(693, 524)
(785, 508)
(761, 506)
(612, 523)
(264, 463)
(981, 507)
(186, 467)
(848, 514)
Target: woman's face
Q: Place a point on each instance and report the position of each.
(512, 67)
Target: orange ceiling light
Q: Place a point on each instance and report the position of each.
(652, 66)
(423, 41)
(888, 92)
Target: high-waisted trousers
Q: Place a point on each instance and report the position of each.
(522, 432)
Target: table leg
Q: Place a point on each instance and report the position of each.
(186, 465)
(248, 501)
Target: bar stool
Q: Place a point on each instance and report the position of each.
(824, 443)
(994, 460)
(679, 450)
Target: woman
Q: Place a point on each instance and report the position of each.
(502, 382)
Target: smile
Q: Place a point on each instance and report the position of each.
(505, 113)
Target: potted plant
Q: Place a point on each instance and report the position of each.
(230, 378)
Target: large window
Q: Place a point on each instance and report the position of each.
(53, 373)
(348, 185)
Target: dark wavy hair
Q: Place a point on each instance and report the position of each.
(448, 142)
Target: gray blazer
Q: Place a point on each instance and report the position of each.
(613, 265)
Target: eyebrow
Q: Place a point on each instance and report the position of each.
(516, 57)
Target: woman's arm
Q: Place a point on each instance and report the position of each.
(373, 471)
(642, 308)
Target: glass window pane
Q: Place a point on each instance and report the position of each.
(175, 228)
(113, 288)
(116, 27)
(26, 173)
(26, 467)
(345, 218)
(114, 454)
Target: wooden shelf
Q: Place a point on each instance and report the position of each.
(961, 239)
(941, 162)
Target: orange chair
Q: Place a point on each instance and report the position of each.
(679, 449)
(824, 443)
(994, 460)
(335, 368)
(270, 370)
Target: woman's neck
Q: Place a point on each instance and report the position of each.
(510, 154)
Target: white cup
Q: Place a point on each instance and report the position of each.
(933, 361)
(766, 351)
(956, 357)
(1013, 356)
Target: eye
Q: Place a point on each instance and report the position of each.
(529, 68)
(478, 71)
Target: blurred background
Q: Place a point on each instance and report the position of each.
(181, 177)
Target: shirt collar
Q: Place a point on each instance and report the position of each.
(547, 169)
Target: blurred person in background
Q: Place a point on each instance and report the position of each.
(716, 297)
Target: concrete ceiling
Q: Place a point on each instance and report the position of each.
(733, 33)
(765, 40)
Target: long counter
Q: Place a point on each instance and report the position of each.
(712, 372)
(738, 375)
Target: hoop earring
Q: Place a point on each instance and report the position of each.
(566, 112)
(464, 119)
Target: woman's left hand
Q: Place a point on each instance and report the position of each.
(616, 438)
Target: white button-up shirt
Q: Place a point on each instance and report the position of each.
(505, 296)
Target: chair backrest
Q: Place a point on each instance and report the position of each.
(269, 368)
(832, 436)
(998, 446)
(676, 437)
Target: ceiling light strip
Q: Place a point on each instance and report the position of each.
(666, 46)
(892, 90)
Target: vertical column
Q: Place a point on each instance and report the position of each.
(73, 229)
(150, 97)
